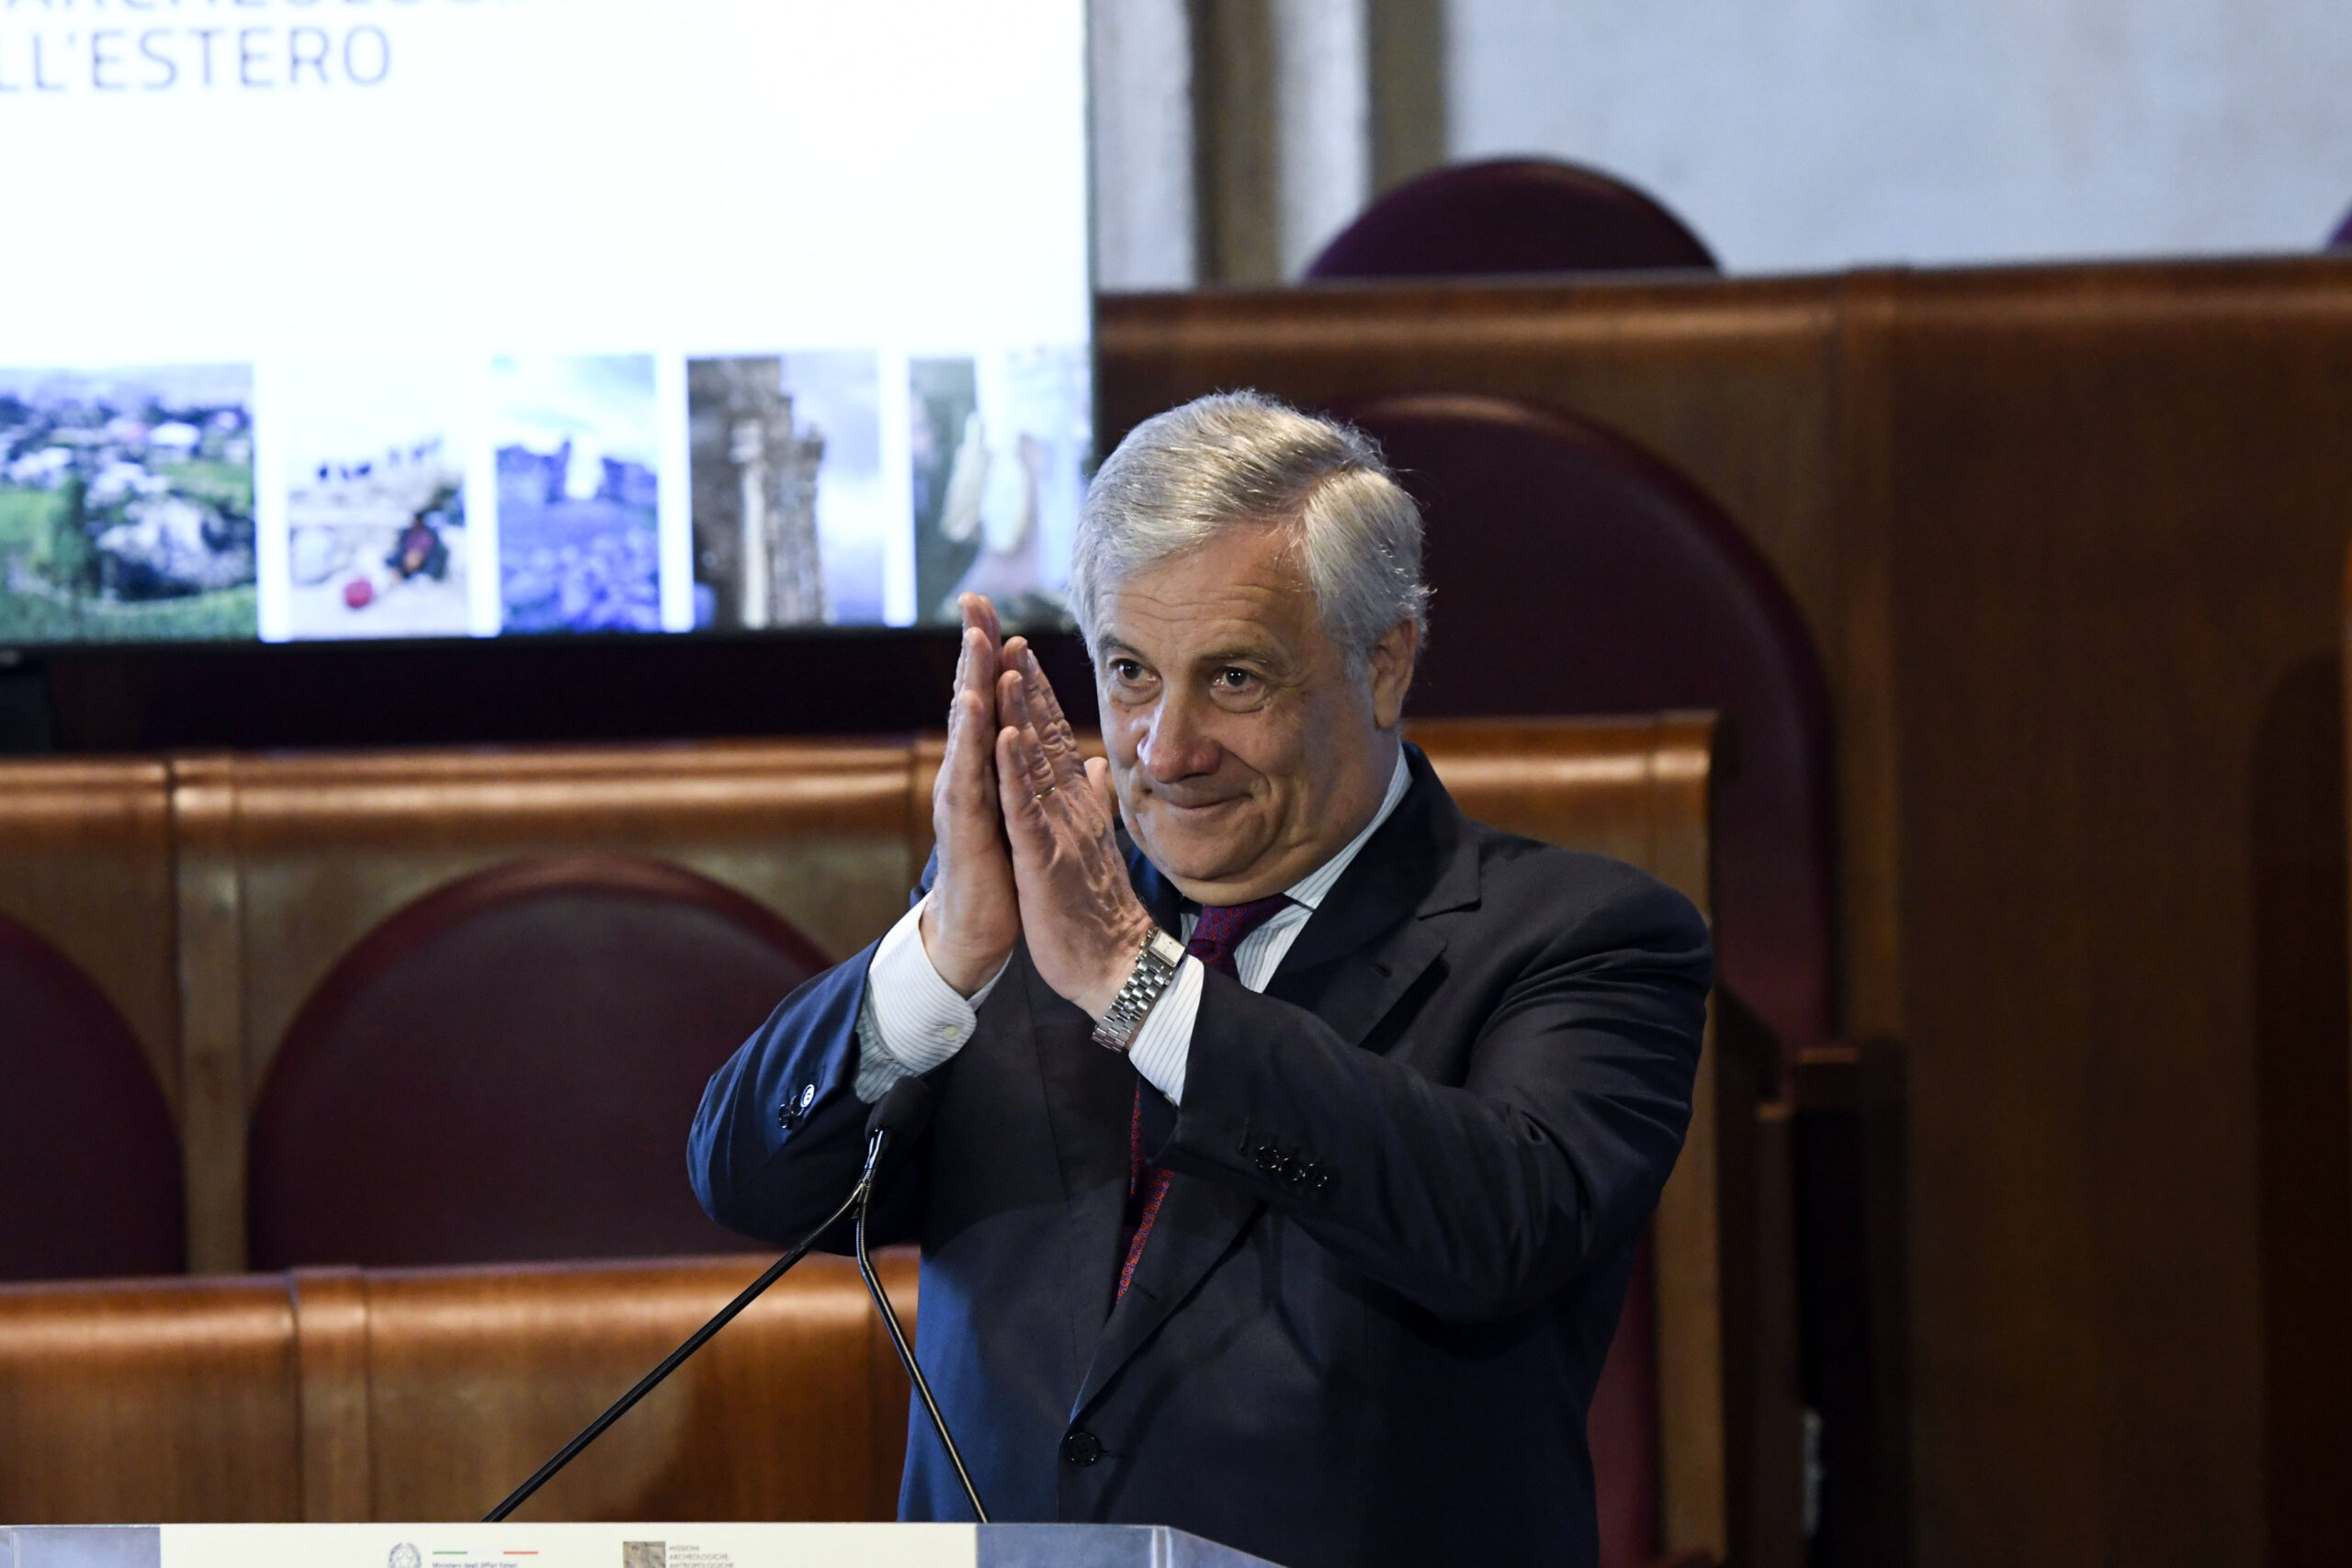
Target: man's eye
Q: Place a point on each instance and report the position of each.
(1126, 670)
(1233, 680)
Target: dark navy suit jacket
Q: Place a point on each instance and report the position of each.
(1409, 1182)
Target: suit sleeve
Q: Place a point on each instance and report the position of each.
(780, 1137)
(1473, 1202)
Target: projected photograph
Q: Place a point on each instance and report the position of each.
(127, 503)
(577, 481)
(1000, 446)
(790, 517)
(373, 454)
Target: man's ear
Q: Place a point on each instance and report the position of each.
(1393, 657)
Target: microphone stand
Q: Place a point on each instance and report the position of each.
(727, 1315)
(863, 1198)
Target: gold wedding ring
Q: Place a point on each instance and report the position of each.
(1045, 792)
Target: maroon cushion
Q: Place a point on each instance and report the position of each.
(505, 1070)
(1577, 575)
(1510, 215)
(89, 1162)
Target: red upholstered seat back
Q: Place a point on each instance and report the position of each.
(1576, 574)
(505, 1070)
(1510, 215)
(89, 1163)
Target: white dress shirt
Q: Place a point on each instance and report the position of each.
(911, 1021)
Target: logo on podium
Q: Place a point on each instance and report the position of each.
(406, 1555)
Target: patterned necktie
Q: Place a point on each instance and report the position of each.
(1217, 938)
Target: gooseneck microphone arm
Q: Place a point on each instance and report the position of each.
(911, 1108)
(864, 1197)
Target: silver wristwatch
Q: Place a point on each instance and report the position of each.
(1156, 963)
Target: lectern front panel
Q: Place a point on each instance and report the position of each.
(612, 1546)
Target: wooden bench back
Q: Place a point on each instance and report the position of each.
(328, 1395)
(285, 863)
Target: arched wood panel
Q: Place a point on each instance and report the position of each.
(285, 863)
(504, 1070)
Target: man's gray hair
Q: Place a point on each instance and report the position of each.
(1238, 459)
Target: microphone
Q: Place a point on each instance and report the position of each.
(902, 1112)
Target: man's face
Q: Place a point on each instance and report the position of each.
(1243, 753)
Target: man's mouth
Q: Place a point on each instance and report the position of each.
(1198, 807)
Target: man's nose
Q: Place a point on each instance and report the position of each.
(1176, 744)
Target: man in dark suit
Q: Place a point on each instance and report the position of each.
(1321, 1257)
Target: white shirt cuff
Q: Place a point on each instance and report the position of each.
(911, 1020)
(1163, 1046)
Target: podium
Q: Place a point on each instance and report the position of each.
(611, 1545)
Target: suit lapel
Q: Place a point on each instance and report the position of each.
(1370, 940)
(1361, 951)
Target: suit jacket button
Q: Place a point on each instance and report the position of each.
(1081, 1447)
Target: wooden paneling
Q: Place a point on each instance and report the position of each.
(2069, 540)
(285, 863)
(2115, 507)
(175, 1400)
(1633, 789)
(332, 1359)
(1735, 381)
(329, 845)
(427, 1394)
(476, 1377)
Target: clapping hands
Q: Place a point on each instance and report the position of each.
(1024, 825)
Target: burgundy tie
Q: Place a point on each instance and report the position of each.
(1217, 938)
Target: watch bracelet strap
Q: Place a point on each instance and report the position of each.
(1144, 985)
